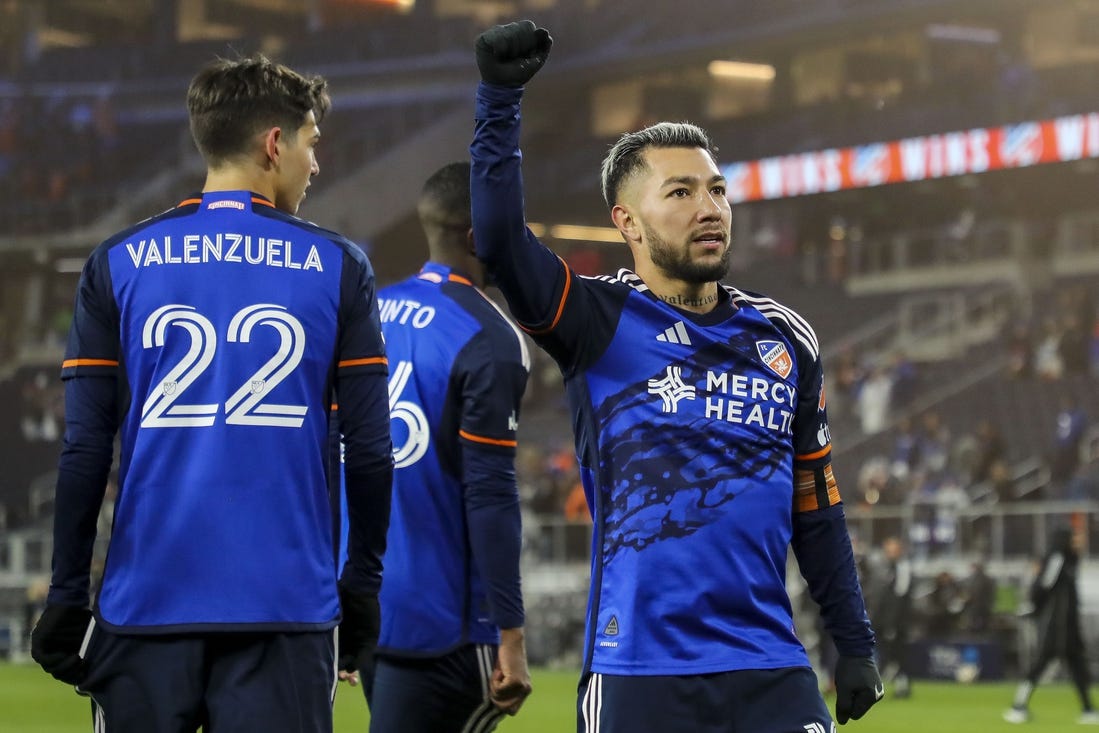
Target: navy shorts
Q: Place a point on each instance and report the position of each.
(448, 694)
(747, 701)
(229, 682)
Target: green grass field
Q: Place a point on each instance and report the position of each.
(32, 702)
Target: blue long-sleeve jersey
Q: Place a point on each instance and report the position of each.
(212, 338)
(703, 445)
(458, 372)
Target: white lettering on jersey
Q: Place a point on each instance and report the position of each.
(734, 398)
(405, 312)
(197, 249)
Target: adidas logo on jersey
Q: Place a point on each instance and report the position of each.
(676, 334)
(612, 627)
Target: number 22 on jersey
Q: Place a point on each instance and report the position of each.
(163, 409)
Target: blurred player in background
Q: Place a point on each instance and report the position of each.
(213, 337)
(701, 434)
(1056, 600)
(451, 656)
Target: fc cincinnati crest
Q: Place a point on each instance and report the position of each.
(776, 357)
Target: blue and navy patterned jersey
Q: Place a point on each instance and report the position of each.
(703, 444)
(227, 325)
(458, 368)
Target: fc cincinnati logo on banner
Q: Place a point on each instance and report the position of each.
(776, 357)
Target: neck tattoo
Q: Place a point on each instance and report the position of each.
(689, 302)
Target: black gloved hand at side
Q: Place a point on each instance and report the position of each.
(56, 641)
(359, 629)
(858, 687)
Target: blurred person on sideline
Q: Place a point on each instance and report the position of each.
(1056, 600)
(214, 337)
(980, 600)
(451, 656)
(892, 615)
(701, 434)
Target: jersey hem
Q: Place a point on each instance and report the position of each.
(213, 626)
(679, 669)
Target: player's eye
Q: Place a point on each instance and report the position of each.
(679, 193)
(718, 190)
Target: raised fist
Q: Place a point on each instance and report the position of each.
(509, 55)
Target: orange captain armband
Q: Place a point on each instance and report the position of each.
(815, 489)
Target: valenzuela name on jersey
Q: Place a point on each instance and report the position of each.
(198, 249)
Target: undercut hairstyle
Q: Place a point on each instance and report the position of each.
(230, 101)
(625, 157)
(444, 199)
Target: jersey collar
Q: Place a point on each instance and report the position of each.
(438, 273)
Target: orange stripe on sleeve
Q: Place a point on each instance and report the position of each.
(459, 279)
(363, 362)
(488, 441)
(813, 456)
(189, 202)
(265, 202)
(560, 305)
(70, 363)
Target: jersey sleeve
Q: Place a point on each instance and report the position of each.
(820, 539)
(815, 484)
(492, 385)
(363, 399)
(90, 372)
(553, 304)
(492, 389)
(93, 347)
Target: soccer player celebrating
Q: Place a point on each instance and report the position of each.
(701, 433)
(212, 337)
(451, 656)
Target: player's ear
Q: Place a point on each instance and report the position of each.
(626, 223)
(271, 140)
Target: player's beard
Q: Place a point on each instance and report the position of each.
(677, 264)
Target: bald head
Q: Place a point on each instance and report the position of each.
(444, 210)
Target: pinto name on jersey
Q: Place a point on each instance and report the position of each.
(198, 249)
(405, 312)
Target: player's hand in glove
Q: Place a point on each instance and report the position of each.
(509, 55)
(858, 687)
(359, 628)
(56, 641)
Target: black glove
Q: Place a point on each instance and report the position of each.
(359, 628)
(509, 55)
(858, 687)
(56, 641)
